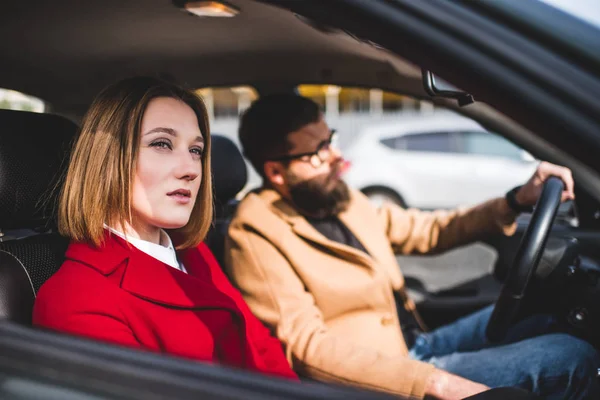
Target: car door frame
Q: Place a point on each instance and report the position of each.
(36, 363)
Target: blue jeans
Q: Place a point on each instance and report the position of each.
(552, 365)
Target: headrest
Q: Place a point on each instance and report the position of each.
(228, 168)
(34, 152)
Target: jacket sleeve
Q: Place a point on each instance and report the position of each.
(413, 231)
(277, 297)
(79, 306)
(269, 348)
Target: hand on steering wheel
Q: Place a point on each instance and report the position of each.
(526, 260)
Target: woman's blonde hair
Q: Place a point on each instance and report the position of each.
(97, 187)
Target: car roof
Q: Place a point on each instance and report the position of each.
(75, 48)
(416, 123)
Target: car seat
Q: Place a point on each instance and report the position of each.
(34, 150)
(229, 178)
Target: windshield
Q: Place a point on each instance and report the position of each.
(586, 10)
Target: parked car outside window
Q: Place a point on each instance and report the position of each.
(437, 142)
(440, 160)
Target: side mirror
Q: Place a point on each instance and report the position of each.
(436, 87)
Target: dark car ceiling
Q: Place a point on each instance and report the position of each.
(65, 51)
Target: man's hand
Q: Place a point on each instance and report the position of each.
(529, 194)
(443, 385)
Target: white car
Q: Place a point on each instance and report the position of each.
(434, 161)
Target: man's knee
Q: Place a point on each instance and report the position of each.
(576, 355)
(566, 366)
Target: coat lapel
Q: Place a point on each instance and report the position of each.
(155, 281)
(147, 278)
(304, 229)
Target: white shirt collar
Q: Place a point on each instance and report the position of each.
(164, 252)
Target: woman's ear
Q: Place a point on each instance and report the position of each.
(274, 173)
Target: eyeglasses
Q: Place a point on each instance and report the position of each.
(317, 157)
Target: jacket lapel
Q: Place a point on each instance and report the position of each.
(304, 229)
(155, 281)
(147, 278)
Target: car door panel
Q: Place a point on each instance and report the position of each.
(452, 284)
(444, 307)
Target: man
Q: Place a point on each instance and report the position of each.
(316, 263)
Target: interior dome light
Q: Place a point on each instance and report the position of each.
(215, 9)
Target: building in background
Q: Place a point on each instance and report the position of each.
(346, 109)
(229, 102)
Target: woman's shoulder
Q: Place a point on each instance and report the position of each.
(88, 268)
(73, 288)
(73, 275)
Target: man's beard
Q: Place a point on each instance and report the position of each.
(314, 199)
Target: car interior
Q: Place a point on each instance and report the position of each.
(65, 52)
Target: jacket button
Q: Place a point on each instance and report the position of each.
(387, 320)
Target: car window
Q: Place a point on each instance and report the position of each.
(477, 143)
(350, 109)
(224, 106)
(433, 149)
(424, 131)
(338, 100)
(489, 144)
(13, 100)
(586, 10)
(436, 142)
(226, 103)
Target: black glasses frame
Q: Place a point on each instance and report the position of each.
(311, 154)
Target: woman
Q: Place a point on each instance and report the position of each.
(137, 188)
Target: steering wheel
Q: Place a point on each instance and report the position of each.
(526, 261)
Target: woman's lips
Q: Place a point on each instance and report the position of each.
(181, 196)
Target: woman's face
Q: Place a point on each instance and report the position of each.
(168, 172)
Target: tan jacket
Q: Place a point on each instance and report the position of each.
(332, 306)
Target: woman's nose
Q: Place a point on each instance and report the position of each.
(189, 168)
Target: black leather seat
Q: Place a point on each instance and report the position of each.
(229, 178)
(33, 157)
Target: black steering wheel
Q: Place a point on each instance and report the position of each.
(526, 261)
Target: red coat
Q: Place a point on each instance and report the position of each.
(122, 295)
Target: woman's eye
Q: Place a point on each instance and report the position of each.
(197, 151)
(161, 144)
